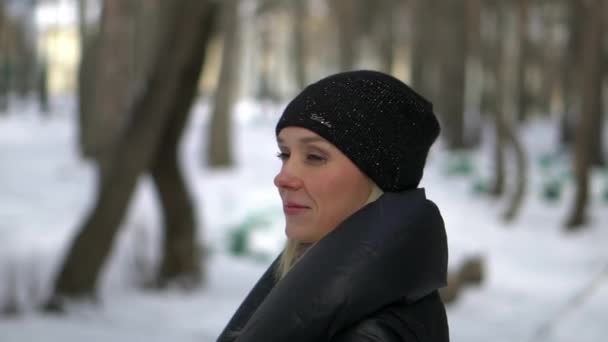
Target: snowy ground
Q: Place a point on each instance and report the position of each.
(535, 271)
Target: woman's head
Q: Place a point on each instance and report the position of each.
(344, 140)
(318, 184)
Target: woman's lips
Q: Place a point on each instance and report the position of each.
(290, 208)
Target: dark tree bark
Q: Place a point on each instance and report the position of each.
(385, 33)
(514, 59)
(173, 74)
(346, 14)
(506, 117)
(104, 99)
(3, 61)
(86, 94)
(82, 6)
(549, 54)
(516, 200)
(219, 147)
(265, 89)
(592, 98)
(490, 56)
(422, 47)
(523, 99)
(145, 42)
(111, 96)
(452, 61)
(300, 51)
(181, 258)
(498, 186)
(474, 76)
(572, 71)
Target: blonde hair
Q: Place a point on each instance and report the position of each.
(294, 249)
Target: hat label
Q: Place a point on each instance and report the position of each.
(320, 120)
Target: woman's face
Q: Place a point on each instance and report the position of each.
(318, 184)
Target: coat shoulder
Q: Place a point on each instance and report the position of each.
(422, 321)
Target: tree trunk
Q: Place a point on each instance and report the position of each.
(423, 54)
(517, 198)
(572, 70)
(4, 59)
(346, 14)
(523, 99)
(491, 56)
(500, 120)
(112, 69)
(498, 185)
(82, 6)
(597, 110)
(453, 45)
(181, 261)
(299, 14)
(86, 95)
(145, 42)
(592, 97)
(510, 103)
(184, 37)
(219, 147)
(265, 90)
(474, 75)
(550, 55)
(386, 34)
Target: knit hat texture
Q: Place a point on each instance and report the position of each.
(377, 121)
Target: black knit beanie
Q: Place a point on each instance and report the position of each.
(377, 121)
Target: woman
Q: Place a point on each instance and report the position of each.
(366, 251)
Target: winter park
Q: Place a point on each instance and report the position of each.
(141, 197)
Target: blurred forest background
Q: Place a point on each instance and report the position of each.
(137, 68)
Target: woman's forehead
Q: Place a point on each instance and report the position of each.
(298, 135)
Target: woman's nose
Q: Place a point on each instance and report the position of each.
(287, 178)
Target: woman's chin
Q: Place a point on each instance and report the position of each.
(298, 234)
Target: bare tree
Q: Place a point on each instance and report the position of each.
(384, 32)
(347, 16)
(424, 56)
(496, 63)
(571, 79)
(219, 148)
(299, 13)
(474, 75)
(181, 257)
(86, 87)
(513, 56)
(111, 76)
(591, 106)
(265, 88)
(452, 37)
(523, 103)
(3, 61)
(185, 37)
(549, 52)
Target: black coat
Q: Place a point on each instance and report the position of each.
(373, 278)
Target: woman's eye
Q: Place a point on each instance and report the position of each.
(315, 158)
(282, 156)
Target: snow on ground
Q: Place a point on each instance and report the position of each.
(534, 269)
